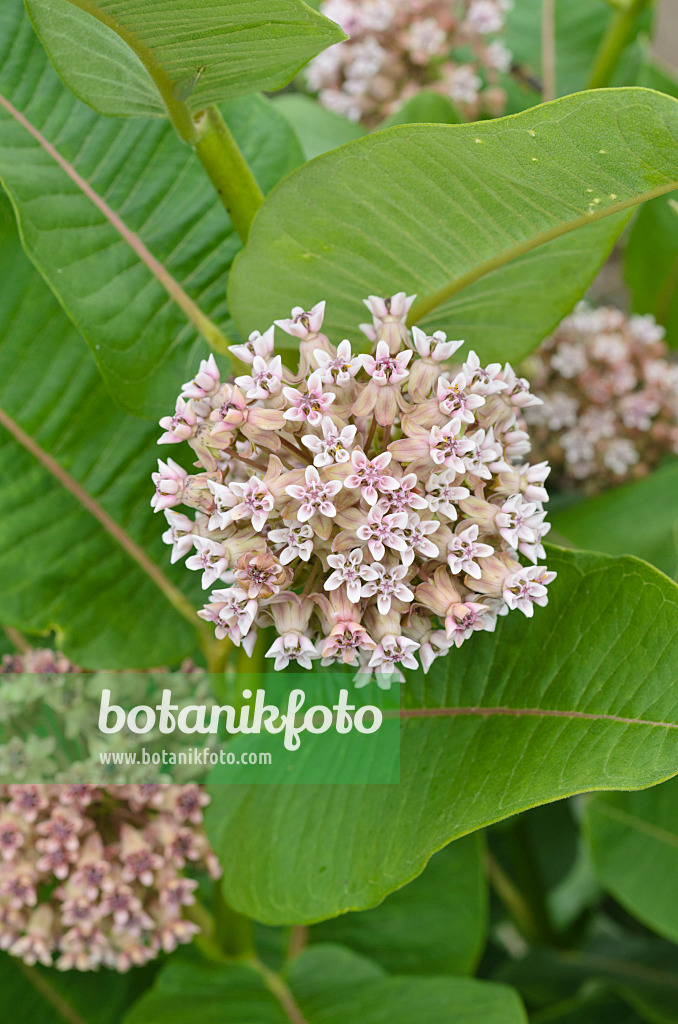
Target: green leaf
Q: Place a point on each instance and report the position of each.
(654, 281)
(80, 549)
(435, 925)
(319, 130)
(642, 971)
(442, 210)
(580, 27)
(125, 195)
(425, 107)
(39, 996)
(634, 845)
(123, 58)
(581, 697)
(599, 1010)
(639, 518)
(327, 985)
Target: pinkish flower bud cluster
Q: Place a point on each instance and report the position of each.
(398, 47)
(94, 876)
(37, 660)
(609, 390)
(373, 508)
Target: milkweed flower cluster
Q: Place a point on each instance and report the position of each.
(398, 47)
(609, 392)
(373, 508)
(95, 876)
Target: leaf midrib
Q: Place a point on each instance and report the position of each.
(206, 327)
(180, 603)
(640, 824)
(484, 712)
(424, 307)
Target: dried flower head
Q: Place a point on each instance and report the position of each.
(381, 521)
(94, 876)
(609, 392)
(398, 47)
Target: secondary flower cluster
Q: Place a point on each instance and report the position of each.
(609, 393)
(367, 506)
(398, 47)
(48, 707)
(95, 876)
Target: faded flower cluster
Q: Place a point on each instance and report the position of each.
(609, 392)
(398, 47)
(373, 508)
(95, 877)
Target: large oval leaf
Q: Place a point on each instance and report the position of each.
(80, 549)
(639, 518)
(434, 209)
(435, 925)
(123, 57)
(581, 697)
(633, 839)
(326, 985)
(121, 219)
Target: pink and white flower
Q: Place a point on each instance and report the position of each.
(527, 587)
(386, 585)
(369, 475)
(338, 370)
(334, 445)
(314, 495)
(241, 500)
(463, 551)
(170, 482)
(210, 559)
(348, 572)
(382, 531)
(297, 538)
(264, 381)
(309, 406)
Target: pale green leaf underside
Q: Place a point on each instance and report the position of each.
(59, 566)
(581, 697)
(143, 343)
(633, 839)
(93, 61)
(116, 54)
(434, 208)
(329, 985)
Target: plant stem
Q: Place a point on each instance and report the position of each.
(525, 899)
(370, 436)
(548, 49)
(233, 932)
(282, 993)
(298, 941)
(614, 41)
(16, 638)
(228, 170)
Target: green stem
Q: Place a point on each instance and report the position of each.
(511, 897)
(228, 170)
(615, 41)
(526, 897)
(234, 933)
(548, 50)
(277, 986)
